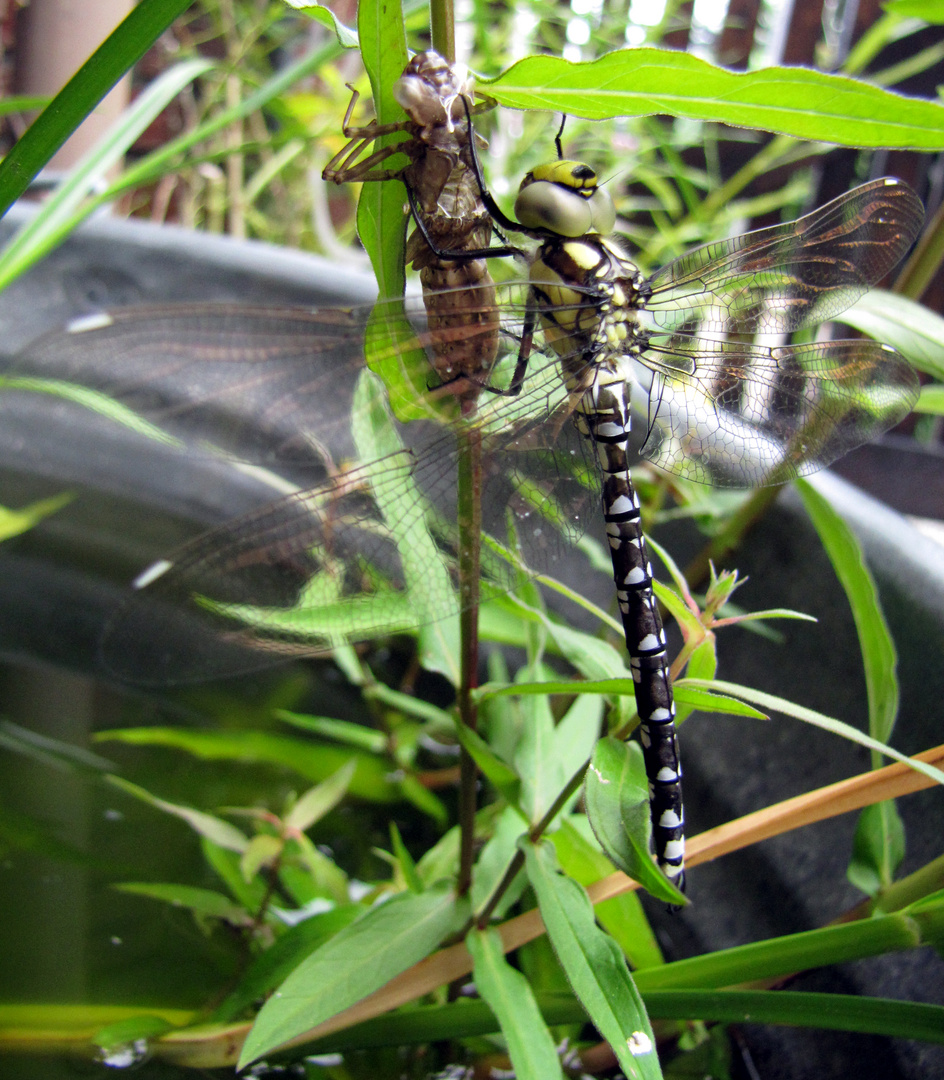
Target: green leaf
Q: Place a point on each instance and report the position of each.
(799, 952)
(381, 223)
(205, 902)
(830, 1012)
(278, 961)
(427, 582)
(405, 861)
(342, 731)
(321, 799)
(52, 753)
(875, 639)
(697, 697)
(794, 101)
(92, 400)
(820, 720)
(931, 400)
(250, 894)
(262, 850)
(117, 54)
(914, 330)
(495, 858)
(60, 214)
(928, 10)
(363, 957)
(500, 775)
(206, 825)
(878, 848)
(623, 916)
(345, 35)
(594, 965)
(316, 761)
(508, 995)
(617, 796)
(14, 522)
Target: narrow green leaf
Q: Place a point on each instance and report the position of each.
(427, 582)
(617, 796)
(363, 957)
(500, 775)
(250, 894)
(14, 522)
(116, 55)
(697, 697)
(818, 719)
(92, 400)
(213, 828)
(405, 860)
(51, 752)
(200, 901)
(321, 799)
(877, 849)
(381, 223)
(830, 1012)
(931, 400)
(793, 101)
(508, 995)
(342, 731)
(594, 965)
(345, 35)
(316, 761)
(60, 214)
(792, 952)
(495, 858)
(285, 954)
(262, 850)
(928, 10)
(875, 639)
(623, 916)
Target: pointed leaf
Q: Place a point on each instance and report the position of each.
(321, 799)
(594, 965)
(617, 795)
(363, 957)
(213, 828)
(508, 995)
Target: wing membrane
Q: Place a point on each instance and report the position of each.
(805, 272)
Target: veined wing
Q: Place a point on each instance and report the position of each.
(353, 551)
(782, 278)
(734, 414)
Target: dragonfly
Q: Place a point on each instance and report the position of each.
(365, 543)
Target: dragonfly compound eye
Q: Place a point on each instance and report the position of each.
(563, 199)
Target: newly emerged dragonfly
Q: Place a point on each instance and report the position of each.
(366, 543)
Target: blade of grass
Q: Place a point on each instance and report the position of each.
(120, 51)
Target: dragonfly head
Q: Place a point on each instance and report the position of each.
(565, 199)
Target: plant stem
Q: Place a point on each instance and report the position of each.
(442, 18)
(469, 520)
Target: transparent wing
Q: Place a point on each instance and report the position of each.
(366, 543)
(733, 414)
(789, 276)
